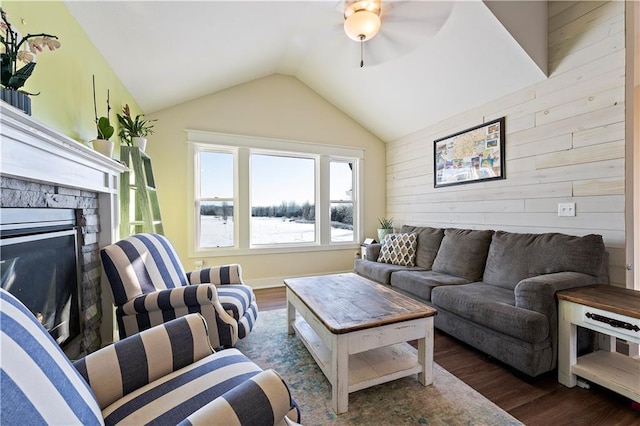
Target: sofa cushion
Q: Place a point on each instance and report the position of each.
(398, 249)
(494, 308)
(162, 350)
(39, 385)
(420, 283)
(179, 394)
(379, 272)
(372, 251)
(514, 257)
(237, 406)
(429, 240)
(463, 253)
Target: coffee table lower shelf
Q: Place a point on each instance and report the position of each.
(366, 369)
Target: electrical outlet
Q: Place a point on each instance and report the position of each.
(566, 209)
(199, 264)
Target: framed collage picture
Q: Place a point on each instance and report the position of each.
(472, 155)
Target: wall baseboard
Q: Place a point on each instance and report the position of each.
(274, 282)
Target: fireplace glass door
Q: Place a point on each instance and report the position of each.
(41, 270)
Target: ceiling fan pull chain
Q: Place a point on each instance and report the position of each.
(361, 50)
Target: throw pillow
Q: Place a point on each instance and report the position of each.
(514, 257)
(398, 249)
(463, 253)
(428, 243)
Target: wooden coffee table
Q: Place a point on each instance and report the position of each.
(357, 331)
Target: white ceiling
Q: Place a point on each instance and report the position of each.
(430, 60)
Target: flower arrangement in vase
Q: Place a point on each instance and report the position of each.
(24, 49)
(134, 131)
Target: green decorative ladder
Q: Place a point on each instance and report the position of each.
(139, 210)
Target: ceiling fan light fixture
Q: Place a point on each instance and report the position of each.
(362, 25)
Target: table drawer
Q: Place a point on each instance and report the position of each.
(621, 325)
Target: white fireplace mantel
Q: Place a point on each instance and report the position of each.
(32, 151)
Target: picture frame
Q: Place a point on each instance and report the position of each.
(472, 155)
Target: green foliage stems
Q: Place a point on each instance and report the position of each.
(133, 127)
(386, 223)
(103, 125)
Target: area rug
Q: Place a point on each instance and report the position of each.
(448, 401)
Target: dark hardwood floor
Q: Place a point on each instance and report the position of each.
(542, 401)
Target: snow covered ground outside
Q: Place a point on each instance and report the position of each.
(265, 230)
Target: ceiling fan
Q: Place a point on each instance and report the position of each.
(362, 21)
(398, 26)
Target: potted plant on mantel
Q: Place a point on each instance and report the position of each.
(24, 49)
(386, 227)
(134, 131)
(105, 130)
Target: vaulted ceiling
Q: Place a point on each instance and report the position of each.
(430, 60)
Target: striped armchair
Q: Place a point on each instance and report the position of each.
(150, 287)
(168, 374)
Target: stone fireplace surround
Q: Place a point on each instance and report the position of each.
(40, 167)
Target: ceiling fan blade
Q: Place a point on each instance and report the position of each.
(311, 39)
(316, 28)
(426, 17)
(383, 48)
(317, 22)
(406, 25)
(436, 11)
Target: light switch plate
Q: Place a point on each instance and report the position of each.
(566, 209)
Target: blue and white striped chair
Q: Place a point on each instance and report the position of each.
(168, 374)
(150, 287)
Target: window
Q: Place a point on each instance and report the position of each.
(282, 199)
(253, 194)
(341, 184)
(215, 199)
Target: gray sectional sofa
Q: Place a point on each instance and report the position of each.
(495, 290)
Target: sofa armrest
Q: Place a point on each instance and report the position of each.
(263, 399)
(119, 369)
(171, 298)
(538, 293)
(372, 251)
(218, 275)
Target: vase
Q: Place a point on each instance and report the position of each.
(18, 99)
(140, 143)
(382, 232)
(103, 146)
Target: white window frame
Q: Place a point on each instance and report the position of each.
(355, 194)
(196, 190)
(242, 147)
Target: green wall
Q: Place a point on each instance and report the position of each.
(63, 77)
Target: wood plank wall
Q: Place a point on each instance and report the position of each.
(564, 143)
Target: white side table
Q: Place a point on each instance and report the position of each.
(613, 311)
